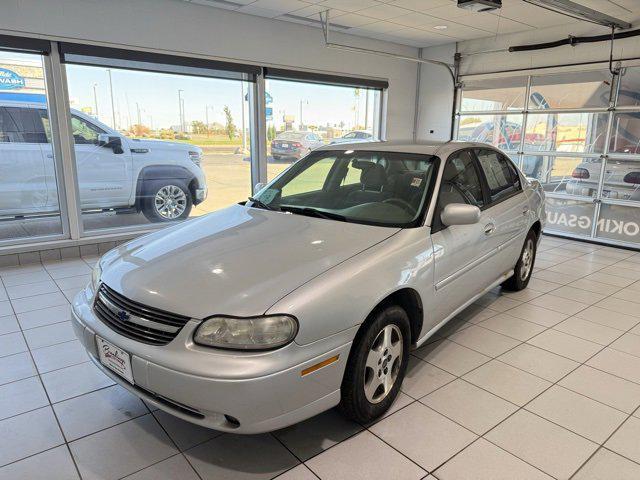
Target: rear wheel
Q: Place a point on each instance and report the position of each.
(376, 366)
(166, 200)
(524, 267)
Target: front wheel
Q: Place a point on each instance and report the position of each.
(524, 268)
(376, 366)
(166, 200)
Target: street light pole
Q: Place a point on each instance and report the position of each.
(95, 99)
(306, 102)
(206, 116)
(113, 108)
(180, 112)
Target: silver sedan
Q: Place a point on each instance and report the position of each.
(311, 294)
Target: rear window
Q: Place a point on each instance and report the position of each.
(290, 136)
(502, 177)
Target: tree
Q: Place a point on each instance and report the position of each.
(230, 127)
(198, 127)
(138, 130)
(271, 132)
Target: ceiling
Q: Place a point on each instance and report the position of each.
(420, 23)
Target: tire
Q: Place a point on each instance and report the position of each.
(364, 394)
(524, 267)
(177, 200)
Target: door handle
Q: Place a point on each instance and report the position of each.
(49, 155)
(525, 210)
(489, 228)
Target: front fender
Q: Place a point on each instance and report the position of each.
(344, 296)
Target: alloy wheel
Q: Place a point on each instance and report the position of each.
(383, 364)
(526, 260)
(170, 202)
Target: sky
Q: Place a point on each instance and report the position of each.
(153, 97)
(156, 96)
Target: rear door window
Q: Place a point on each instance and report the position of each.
(501, 175)
(21, 125)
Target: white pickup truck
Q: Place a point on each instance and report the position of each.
(163, 180)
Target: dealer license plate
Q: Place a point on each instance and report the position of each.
(115, 359)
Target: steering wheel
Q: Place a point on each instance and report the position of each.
(402, 204)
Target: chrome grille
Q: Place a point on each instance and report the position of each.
(136, 321)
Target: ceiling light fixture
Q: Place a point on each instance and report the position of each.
(440, 27)
(575, 10)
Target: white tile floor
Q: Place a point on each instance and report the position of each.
(543, 383)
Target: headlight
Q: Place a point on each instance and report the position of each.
(253, 333)
(195, 157)
(96, 274)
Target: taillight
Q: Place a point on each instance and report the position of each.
(296, 144)
(632, 177)
(581, 173)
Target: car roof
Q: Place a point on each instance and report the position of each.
(425, 148)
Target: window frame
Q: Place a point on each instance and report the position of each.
(56, 54)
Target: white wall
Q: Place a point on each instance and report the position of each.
(176, 26)
(435, 98)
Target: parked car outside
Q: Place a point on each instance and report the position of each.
(312, 293)
(354, 137)
(294, 145)
(161, 179)
(621, 179)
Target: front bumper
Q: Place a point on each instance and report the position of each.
(263, 391)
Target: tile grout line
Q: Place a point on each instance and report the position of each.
(602, 445)
(50, 406)
(180, 452)
(531, 400)
(523, 407)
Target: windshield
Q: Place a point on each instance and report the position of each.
(377, 188)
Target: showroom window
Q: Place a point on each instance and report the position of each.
(157, 139)
(305, 111)
(30, 206)
(578, 133)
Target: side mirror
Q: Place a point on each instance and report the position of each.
(460, 214)
(258, 186)
(112, 142)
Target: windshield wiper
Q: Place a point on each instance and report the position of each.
(312, 212)
(261, 204)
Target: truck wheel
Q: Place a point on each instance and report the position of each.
(166, 200)
(376, 366)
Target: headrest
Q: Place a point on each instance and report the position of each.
(373, 177)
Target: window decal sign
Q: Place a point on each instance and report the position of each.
(10, 80)
(616, 222)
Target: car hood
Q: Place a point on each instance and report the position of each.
(237, 261)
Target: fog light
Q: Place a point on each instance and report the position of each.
(233, 421)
